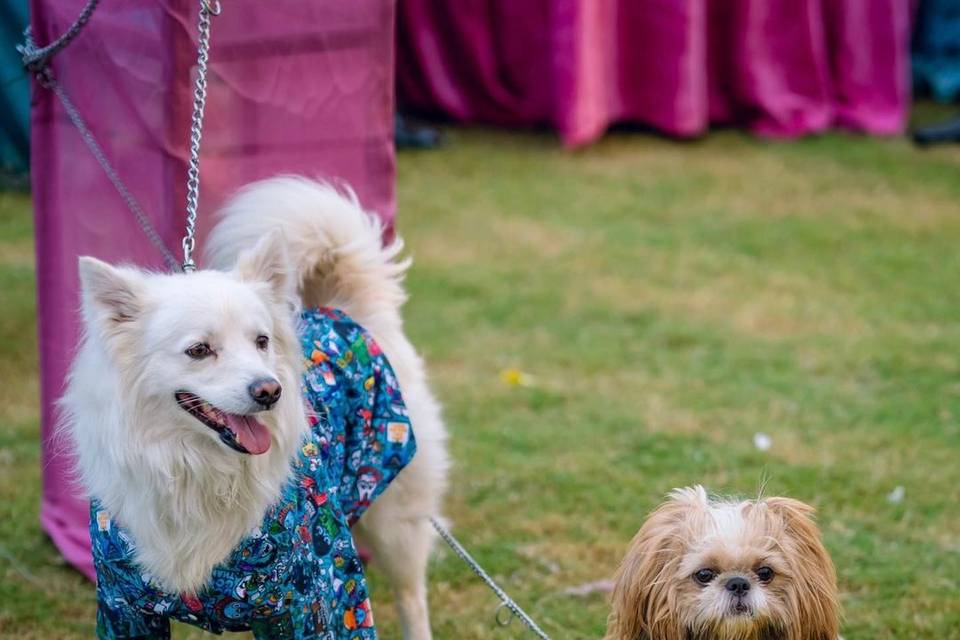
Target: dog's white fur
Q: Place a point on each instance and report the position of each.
(185, 497)
(340, 262)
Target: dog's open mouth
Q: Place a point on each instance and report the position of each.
(243, 433)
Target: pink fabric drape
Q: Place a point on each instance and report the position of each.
(781, 68)
(293, 87)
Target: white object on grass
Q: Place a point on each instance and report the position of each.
(896, 496)
(762, 441)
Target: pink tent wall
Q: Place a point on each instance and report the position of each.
(303, 87)
(781, 68)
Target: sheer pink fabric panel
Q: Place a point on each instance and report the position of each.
(293, 87)
(781, 68)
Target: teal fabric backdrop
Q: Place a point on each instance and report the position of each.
(936, 49)
(14, 91)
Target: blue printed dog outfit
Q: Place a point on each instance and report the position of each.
(298, 575)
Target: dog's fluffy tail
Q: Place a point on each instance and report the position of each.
(334, 246)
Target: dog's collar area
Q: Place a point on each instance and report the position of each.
(243, 434)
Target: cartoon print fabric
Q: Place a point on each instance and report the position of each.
(298, 575)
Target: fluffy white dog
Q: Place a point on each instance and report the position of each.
(174, 400)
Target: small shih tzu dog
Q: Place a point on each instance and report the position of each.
(703, 568)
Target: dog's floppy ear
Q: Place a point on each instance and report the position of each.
(816, 606)
(643, 605)
(111, 297)
(267, 262)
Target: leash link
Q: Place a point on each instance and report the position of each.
(507, 604)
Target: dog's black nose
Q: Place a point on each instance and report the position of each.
(265, 391)
(738, 586)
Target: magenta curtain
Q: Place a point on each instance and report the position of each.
(781, 68)
(303, 87)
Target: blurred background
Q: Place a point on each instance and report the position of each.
(656, 243)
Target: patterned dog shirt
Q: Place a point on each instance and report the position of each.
(298, 575)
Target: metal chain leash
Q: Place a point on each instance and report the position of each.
(506, 601)
(37, 61)
(207, 9)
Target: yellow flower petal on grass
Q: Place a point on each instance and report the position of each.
(516, 378)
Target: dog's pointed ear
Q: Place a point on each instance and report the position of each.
(267, 262)
(111, 297)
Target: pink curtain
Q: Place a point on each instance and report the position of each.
(781, 68)
(303, 87)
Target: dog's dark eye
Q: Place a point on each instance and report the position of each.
(262, 342)
(199, 351)
(705, 576)
(765, 574)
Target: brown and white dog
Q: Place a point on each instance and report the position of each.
(703, 568)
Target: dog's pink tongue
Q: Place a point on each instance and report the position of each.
(251, 434)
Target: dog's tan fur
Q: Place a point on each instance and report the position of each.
(656, 597)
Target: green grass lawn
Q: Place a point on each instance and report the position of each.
(666, 301)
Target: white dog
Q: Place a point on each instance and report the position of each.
(174, 469)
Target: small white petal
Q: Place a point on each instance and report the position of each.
(762, 441)
(896, 496)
